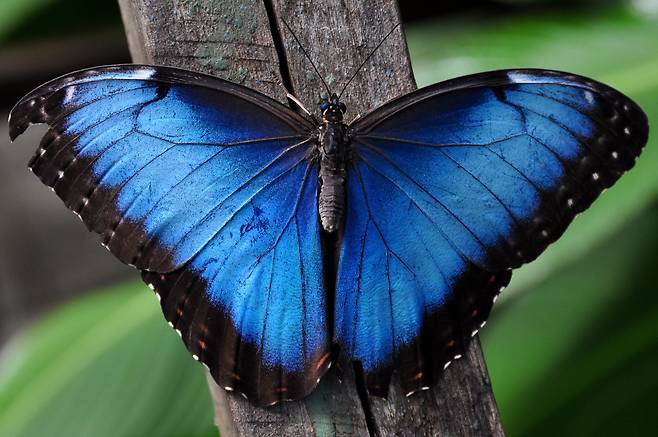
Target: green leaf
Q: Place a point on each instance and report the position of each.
(13, 13)
(107, 365)
(613, 45)
(46, 19)
(576, 354)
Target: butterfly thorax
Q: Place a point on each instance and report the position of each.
(333, 144)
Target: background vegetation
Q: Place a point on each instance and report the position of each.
(571, 346)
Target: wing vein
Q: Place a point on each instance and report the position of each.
(438, 228)
(235, 213)
(598, 121)
(155, 232)
(361, 138)
(231, 144)
(377, 228)
(581, 140)
(65, 114)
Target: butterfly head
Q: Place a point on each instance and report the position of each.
(332, 109)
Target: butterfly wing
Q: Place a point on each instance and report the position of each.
(450, 188)
(251, 306)
(205, 186)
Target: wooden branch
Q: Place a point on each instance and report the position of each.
(236, 40)
(229, 39)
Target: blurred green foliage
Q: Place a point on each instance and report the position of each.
(107, 365)
(616, 46)
(571, 347)
(575, 353)
(33, 19)
(13, 14)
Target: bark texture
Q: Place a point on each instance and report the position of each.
(245, 41)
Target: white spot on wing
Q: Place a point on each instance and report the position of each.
(518, 77)
(69, 94)
(589, 96)
(143, 73)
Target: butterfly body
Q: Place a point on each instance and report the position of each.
(334, 153)
(220, 195)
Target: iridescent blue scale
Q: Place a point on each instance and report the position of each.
(211, 189)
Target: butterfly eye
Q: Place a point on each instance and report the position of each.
(342, 107)
(324, 106)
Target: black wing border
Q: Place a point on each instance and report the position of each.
(488, 79)
(446, 333)
(20, 120)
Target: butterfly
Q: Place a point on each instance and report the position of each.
(274, 239)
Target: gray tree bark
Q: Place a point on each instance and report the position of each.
(245, 42)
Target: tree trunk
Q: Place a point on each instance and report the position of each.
(245, 42)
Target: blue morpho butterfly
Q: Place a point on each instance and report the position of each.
(234, 207)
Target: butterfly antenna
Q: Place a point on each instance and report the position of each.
(308, 57)
(366, 59)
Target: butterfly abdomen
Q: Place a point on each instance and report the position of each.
(331, 197)
(331, 201)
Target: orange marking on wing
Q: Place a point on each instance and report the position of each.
(322, 360)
